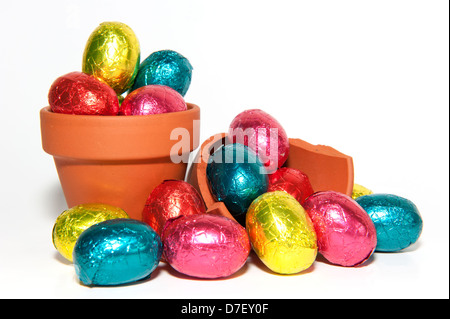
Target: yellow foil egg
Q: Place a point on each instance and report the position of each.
(112, 54)
(281, 233)
(359, 190)
(72, 222)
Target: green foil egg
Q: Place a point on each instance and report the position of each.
(112, 54)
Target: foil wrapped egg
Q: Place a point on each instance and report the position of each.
(263, 134)
(292, 181)
(112, 54)
(116, 252)
(236, 177)
(72, 222)
(152, 99)
(359, 190)
(397, 220)
(281, 233)
(165, 67)
(206, 245)
(81, 94)
(171, 199)
(346, 235)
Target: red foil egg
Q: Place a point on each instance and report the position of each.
(171, 199)
(206, 245)
(292, 181)
(346, 235)
(263, 134)
(152, 99)
(82, 94)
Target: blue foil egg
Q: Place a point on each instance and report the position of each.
(165, 67)
(397, 220)
(236, 176)
(116, 252)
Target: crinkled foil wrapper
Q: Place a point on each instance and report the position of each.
(116, 252)
(292, 181)
(236, 177)
(263, 134)
(206, 246)
(165, 67)
(72, 222)
(171, 199)
(153, 99)
(112, 54)
(346, 235)
(359, 190)
(82, 94)
(281, 233)
(397, 220)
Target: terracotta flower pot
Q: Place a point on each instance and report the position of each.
(326, 168)
(118, 160)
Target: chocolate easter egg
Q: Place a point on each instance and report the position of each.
(346, 235)
(281, 233)
(263, 134)
(359, 190)
(82, 94)
(152, 99)
(171, 199)
(292, 181)
(165, 67)
(206, 246)
(236, 177)
(116, 252)
(397, 220)
(72, 222)
(112, 54)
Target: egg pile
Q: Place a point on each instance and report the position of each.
(113, 82)
(289, 222)
(276, 212)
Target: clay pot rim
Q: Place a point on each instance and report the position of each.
(106, 138)
(191, 108)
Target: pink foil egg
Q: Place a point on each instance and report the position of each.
(346, 235)
(152, 99)
(263, 134)
(205, 246)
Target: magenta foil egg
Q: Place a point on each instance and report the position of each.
(205, 246)
(346, 235)
(262, 133)
(152, 99)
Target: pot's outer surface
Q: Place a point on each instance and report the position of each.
(118, 160)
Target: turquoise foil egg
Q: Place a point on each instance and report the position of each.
(236, 177)
(116, 252)
(165, 67)
(397, 220)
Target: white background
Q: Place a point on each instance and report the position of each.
(369, 78)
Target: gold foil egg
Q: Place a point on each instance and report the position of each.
(72, 222)
(359, 190)
(112, 54)
(281, 233)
